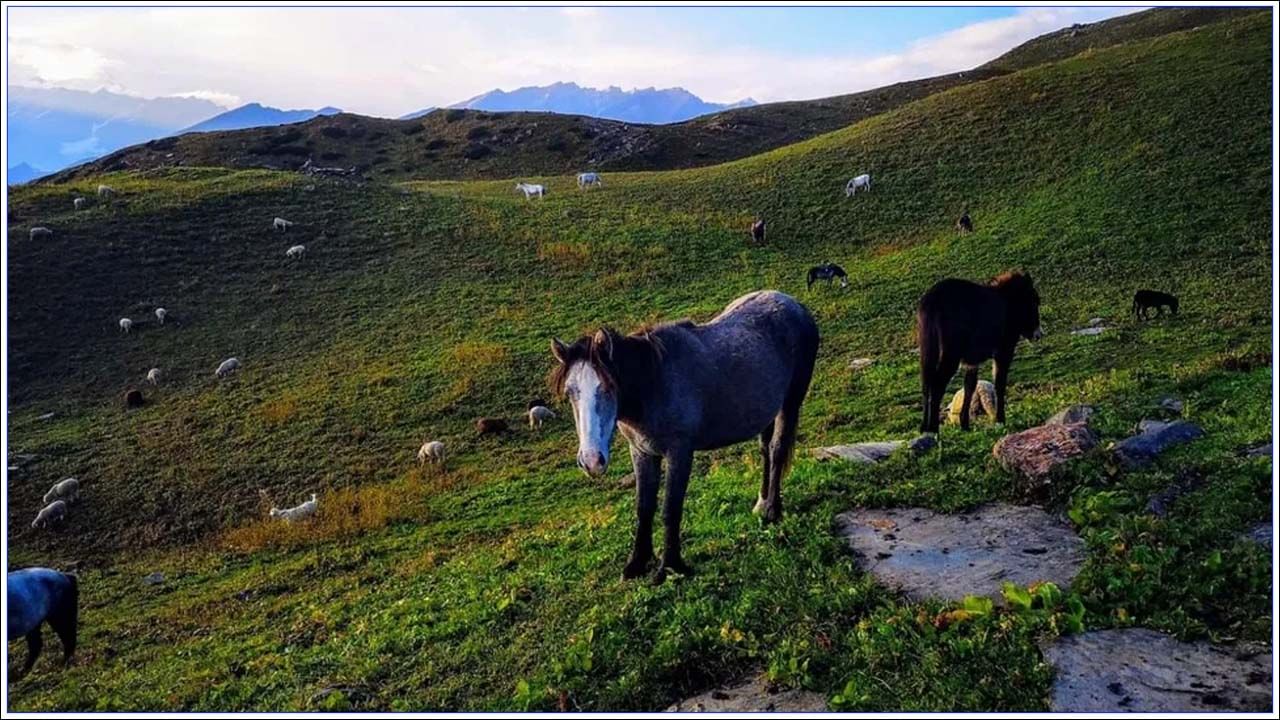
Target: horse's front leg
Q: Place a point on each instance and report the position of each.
(647, 469)
(1002, 363)
(970, 385)
(679, 465)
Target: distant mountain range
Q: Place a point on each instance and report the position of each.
(256, 115)
(22, 172)
(644, 105)
(51, 128)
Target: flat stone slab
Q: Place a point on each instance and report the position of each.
(868, 452)
(1091, 330)
(858, 364)
(1035, 453)
(1153, 438)
(754, 696)
(1139, 670)
(924, 554)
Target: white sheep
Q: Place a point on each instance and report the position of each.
(295, 252)
(78, 203)
(539, 414)
(227, 367)
(126, 325)
(432, 451)
(105, 191)
(41, 232)
(54, 512)
(67, 490)
(153, 376)
(281, 224)
(160, 313)
(294, 514)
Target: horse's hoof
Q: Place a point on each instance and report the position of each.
(635, 568)
(772, 516)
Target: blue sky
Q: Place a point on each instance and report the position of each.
(388, 61)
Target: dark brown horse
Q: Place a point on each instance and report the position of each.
(960, 322)
(1145, 300)
(964, 225)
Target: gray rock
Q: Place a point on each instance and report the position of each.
(155, 578)
(923, 444)
(1172, 404)
(1073, 415)
(1096, 322)
(860, 364)
(983, 403)
(929, 555)
(1035, 453)
(754, 696)
(1153, 438)
(1140, 670)
(867, 452)
(1091, 330)
(1260, 533)
(47, 416)
(1263, 450)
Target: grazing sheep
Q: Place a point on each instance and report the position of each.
(280, 224)
(126, 325)
(78, 203)
(539, 415)
(491, 426)
(133, 399)
(153, 376)
(105, 191)
(160, 313)
(227, 367)
(67, 490)
(41, 232)
(861, 182)
(301, 512)
(432, 452)
(54, 512)
(296, 252)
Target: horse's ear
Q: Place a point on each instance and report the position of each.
(560, 350)
(602, 343)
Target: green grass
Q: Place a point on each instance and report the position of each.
(495, 585)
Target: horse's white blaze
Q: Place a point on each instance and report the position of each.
(595, 414)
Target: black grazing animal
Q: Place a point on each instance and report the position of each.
(37, 596)
(1144, 300)
(133, 399)
(682, 387)
(757, 231)
(491, 426)
(960, 322)
(535, 403)
(964, 225)
(828, 271)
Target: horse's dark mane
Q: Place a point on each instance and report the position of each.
(630, 372)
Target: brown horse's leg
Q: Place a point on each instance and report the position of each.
(679, 465)
(647, 469)
(947, 368)
(1001, 382)
(762, 502)
(970, 385)
(34, 645)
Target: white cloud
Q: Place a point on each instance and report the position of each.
(391, 61)
(226, 100)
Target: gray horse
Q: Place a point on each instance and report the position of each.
(681, 387)
(39, 595)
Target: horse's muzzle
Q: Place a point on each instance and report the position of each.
(593, 463)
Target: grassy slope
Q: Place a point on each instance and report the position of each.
(459, 144)
(420, 308)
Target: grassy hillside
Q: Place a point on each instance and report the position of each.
(465, 144)
(494, 585)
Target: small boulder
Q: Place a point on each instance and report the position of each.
(923, 444)
(1153, 438)
(868, 452)
(1088, 331)
(155, 578)
(1172, 404)
(982, 405)
(1035, 453)
(1073, 415)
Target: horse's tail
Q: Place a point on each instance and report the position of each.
(929, 338)
(801, 377)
